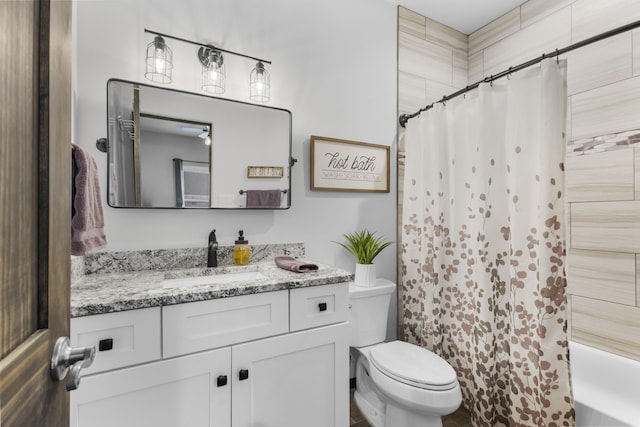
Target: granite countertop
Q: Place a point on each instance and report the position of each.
(111, 292)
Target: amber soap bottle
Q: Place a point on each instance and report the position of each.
(241, 251)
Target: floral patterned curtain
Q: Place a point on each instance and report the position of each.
(483, 244)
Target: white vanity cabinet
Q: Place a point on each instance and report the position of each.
(231, 362)
(300, 379)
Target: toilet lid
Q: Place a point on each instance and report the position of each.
(413, 365)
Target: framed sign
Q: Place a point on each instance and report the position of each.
(265, 171)
(340, 165)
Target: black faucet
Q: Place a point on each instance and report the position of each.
(212, 250)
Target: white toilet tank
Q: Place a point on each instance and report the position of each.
(368, 312)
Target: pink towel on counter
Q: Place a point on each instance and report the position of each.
(290, 263)
(264, 198)
(87, 223)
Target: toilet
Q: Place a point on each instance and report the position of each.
(397, 384)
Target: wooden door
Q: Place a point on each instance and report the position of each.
(35, 207)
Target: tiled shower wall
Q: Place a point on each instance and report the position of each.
(603, 127)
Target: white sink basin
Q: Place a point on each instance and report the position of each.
(214, 279)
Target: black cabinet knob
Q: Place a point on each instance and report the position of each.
(221, 380)
(322, 306)
(105, 345)
(244, 374)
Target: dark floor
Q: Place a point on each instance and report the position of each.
(460, 418)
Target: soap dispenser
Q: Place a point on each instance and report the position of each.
(241, 251)
(212, 250)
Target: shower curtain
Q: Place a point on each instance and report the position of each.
(483, 246)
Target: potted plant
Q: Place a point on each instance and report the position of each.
(364, 246)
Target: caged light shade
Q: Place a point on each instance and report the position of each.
(213, 70)
(159, 61)
(260, 84)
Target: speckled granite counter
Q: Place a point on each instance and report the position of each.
(111, 292)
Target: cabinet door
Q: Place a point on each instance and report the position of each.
(169, 393)
(293, 380)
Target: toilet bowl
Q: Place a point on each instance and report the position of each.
(397, 384)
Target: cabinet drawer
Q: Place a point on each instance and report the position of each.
(126, 338)
(318, 306)
(203, 325)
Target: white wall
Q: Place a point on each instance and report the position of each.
(334, 67)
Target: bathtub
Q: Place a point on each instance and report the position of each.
(606, 387)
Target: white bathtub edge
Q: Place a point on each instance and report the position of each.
(606, 383)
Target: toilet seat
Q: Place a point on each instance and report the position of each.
(413, 365)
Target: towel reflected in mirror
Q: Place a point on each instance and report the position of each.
(264, 198)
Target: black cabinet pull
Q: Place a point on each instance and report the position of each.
(221, 380)
(105, 345)
(244, 374)
(322, 306)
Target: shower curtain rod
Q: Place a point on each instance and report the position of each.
(556, 53)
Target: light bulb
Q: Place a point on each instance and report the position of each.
(259, 84)
(160, 65)
(159, 61)
(213, 70)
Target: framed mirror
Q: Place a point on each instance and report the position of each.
(174, 149)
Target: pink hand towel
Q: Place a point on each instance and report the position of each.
(87, 223)
(290, 263)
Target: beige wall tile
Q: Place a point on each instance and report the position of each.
(534, 10)
(460, 69)
(410, 22)
(500, 28)
(569, 326)
(444, 36)
(608, 326)
(606, 226)
(568, 126)
(541, 37)
(636, 52)
(599, 64)
(602, 176)
(637, 172)
(412, 92)
(476, 67)
(607, 109)
(592, 17)
(425, 59)
(608, 276)
(637, 280)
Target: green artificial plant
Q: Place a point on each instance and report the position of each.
(364, 245)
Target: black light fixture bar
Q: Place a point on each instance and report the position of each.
(206, 46)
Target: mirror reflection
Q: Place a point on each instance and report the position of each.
(173, 149)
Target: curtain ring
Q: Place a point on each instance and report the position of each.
(557, 56)
(509, 73)
(491, 81)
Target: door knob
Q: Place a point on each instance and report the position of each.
(66, 358)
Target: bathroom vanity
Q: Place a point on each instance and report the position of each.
(258, 346)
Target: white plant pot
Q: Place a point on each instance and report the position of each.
(365, 275)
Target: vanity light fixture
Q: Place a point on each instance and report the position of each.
(213, 69)
(160, 65)
(159, 61)
(260, 85)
